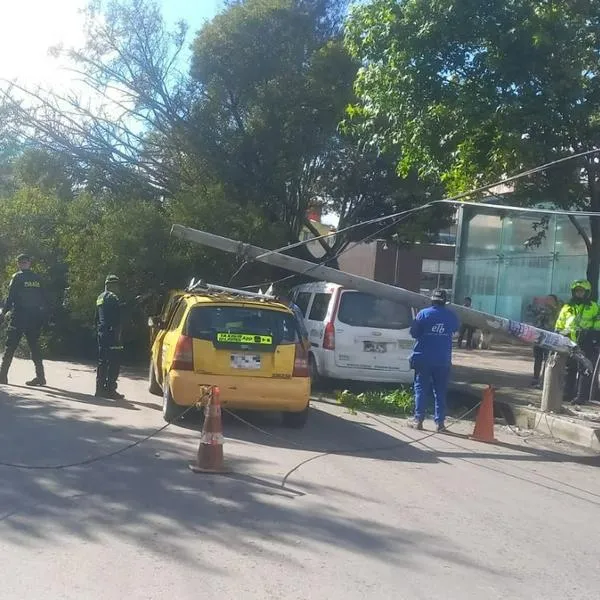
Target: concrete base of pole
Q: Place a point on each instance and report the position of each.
(553, 382)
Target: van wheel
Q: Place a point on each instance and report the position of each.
(153, 385)
(171, 411)
(295, 420)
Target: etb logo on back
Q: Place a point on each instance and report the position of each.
(438, 328)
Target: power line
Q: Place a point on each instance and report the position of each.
(454, 200)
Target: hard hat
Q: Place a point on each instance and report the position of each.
(582, 283)
(111, 279)
(439, 295)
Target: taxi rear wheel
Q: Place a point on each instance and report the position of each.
(315, 376)
(171, 411)
(295, 420)
(153, 385)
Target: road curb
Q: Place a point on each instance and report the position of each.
(561, 427)
(558, 426)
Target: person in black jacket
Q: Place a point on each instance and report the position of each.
(27, 305)
(108, 328)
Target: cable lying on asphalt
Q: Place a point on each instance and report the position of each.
(364, 449)
(89, 461)
(333, 452)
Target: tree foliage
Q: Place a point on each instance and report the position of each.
(241, 139)
(275, 85)
(467, 92)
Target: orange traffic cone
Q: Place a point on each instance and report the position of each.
(484, 424)
(210, 450)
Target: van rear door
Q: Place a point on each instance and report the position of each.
(372, 333)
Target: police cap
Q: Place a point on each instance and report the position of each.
(23, 257)
(111, 279)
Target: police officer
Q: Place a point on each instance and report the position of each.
(27, 304)
(108, 327)
(431, 359)
(579, 320)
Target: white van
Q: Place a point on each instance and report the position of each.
(355, 336)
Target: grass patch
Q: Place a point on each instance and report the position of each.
(396, 402)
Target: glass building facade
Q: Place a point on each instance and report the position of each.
(499, 267)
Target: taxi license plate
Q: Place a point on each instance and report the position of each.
(245, 361)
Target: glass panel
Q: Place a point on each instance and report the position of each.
(364, 310)
(445, 282)
(482, 235)
(204, 323)
(302, 301)
(176, 319)
(527, 235)
(520, 280)
(478, 278)
(568, 240)
(429, 281)
(430, 266)
(446, 266)
(318, 310)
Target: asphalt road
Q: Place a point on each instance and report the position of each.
(389, 518)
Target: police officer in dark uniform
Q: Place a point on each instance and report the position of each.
(108, 327)
(27, 304)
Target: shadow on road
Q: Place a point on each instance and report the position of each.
(148, 496)
(324, 433)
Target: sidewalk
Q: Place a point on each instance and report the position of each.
(508, 368)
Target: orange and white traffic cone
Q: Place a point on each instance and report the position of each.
(210, 450)
(484, 424)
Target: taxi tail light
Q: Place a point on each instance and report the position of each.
(184, 354)
(300, 362)
(329, 337)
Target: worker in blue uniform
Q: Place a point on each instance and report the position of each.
(433, 329)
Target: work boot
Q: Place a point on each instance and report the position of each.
(416, 424)
(36, 382)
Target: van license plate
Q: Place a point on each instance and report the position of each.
(375, 347)
(245, 361)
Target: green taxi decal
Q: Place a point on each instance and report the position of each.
(244, 338)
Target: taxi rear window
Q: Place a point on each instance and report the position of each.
(235, 324)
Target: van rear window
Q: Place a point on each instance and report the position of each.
(206, 322)
(364, 310)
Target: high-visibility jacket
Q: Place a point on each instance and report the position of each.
(576, 317)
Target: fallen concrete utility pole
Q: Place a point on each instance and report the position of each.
(523, 332)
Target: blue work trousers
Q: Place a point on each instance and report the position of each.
(430, 379)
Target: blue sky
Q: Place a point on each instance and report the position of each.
(29, 27)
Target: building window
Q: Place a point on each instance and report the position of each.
(436, 274)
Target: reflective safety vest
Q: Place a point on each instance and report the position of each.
(574, 318)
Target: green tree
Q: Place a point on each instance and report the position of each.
(275, 81)
(466, 92)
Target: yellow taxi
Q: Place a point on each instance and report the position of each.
(249, 345)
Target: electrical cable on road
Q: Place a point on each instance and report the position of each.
(364, 450)
(89, 461)
(398, 216)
